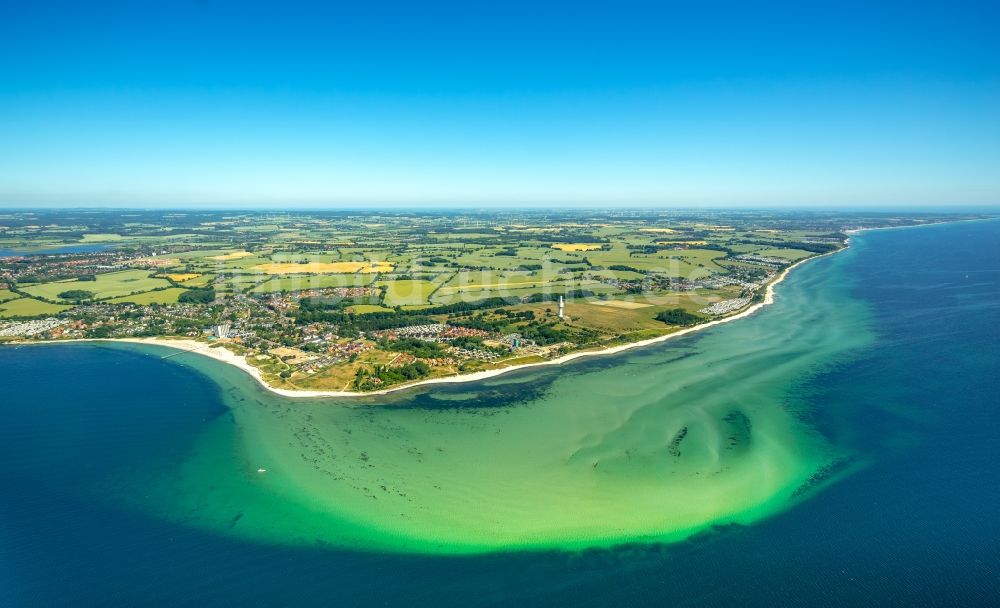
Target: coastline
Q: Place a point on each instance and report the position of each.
(219, 353)
(187, 345)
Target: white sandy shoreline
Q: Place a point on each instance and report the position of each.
(222, 354)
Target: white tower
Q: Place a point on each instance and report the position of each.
(560, 307)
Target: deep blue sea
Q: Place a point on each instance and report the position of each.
(918, 526)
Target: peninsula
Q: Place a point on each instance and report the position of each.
(345, 304)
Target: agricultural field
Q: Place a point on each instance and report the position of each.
(577, 246)
(368, 308)
(793, 255)
(235, 255)
(162, 296)
(323, 268)
(179, 277)
(27, 307)
(288, 284)
(408, 292)
(200, 280)
(108, 285)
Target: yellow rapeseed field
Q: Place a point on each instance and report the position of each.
(576, 246)
(231, 256)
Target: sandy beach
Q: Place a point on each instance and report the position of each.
(222, 354)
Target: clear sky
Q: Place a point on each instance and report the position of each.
(212, 102)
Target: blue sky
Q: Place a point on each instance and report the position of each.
(226, 103)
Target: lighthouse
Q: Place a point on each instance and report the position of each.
(560, 307)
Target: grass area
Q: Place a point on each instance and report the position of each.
(681, 263)
(487, 279)
(6, 294)
(363, 308)
(468, 294)
(524, 360)
(785, 254)
(299, 283)
(487, 257)
(27, 307)
(620, 304)
(625, 316)
(626, 275)
(478, 292)
(162, 296)
(407, 293)
(288, 257)
(109, 285)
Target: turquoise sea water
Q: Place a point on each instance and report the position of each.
(860, 406)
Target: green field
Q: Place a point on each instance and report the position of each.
(679, 263)
(788, 254)
(451, 296)
(486, 279)
(403, 293)
(623, 275)
(162, 296)
(26, 307)
(365, 308)
(109, 285)
(317, 281)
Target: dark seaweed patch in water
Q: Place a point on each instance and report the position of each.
(505, 396)
(739, 427)
(826, 472)
(674, 448)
